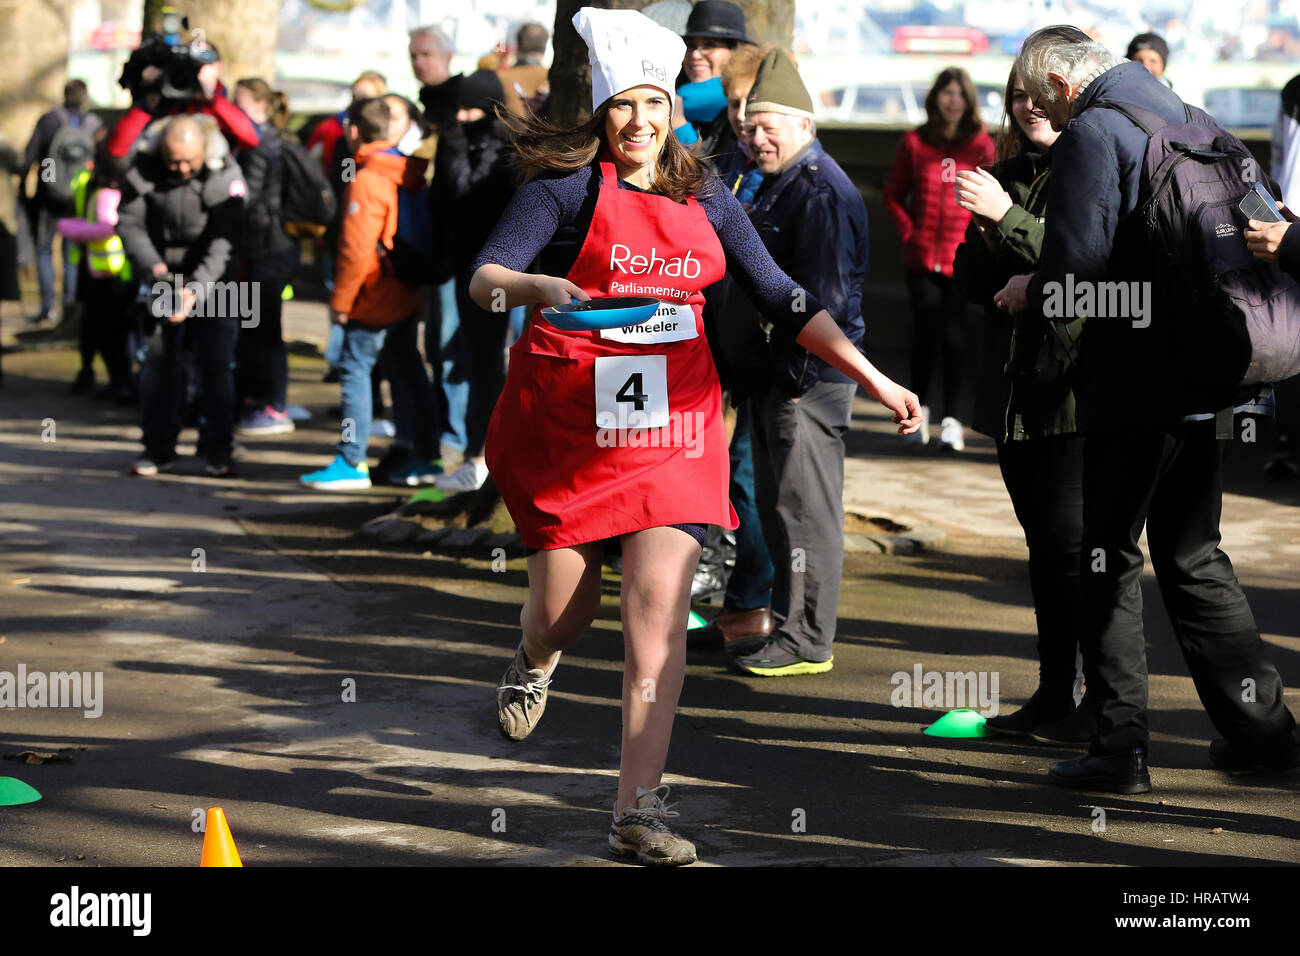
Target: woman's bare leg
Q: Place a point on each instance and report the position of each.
(563, 595)
(658, 564)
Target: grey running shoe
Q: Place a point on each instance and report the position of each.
(521, 696)
(642, 832)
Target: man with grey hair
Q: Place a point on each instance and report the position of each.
(1150, 453)
(814, 223)
(431, 51)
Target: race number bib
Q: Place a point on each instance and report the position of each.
(671, 322)
(631, 391)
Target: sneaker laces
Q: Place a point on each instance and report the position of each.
(533, 689)
(652, 816)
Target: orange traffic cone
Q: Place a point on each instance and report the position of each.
(218, 844)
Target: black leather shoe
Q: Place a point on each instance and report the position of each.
(1072, 731)
(1044, 706)
(1281, 759)
(1124, 772)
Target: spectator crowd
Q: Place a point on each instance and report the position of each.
(183, 225)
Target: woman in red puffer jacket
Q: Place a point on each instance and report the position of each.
(919, 196)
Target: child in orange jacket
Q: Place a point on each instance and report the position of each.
(371, 303)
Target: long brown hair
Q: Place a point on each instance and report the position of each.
(541, 146)
(969, 126)
(1012, 140)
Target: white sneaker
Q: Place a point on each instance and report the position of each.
(951, 434)
(468, 477)
(922, 435)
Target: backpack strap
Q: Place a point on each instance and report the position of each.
(1145, 120)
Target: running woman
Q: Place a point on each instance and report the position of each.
(619, 433)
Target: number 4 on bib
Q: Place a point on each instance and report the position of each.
(631, 391)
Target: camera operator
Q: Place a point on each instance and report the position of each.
(181, 213)
(165, 80)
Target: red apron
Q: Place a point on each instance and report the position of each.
(602, 433)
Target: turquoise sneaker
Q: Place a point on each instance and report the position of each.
(339, 476)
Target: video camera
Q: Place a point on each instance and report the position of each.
(178, 60)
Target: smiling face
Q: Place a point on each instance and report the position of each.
(1032, 122)
(637, 123)
(774, 139)
(705, 58)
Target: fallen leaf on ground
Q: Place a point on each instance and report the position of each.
(36, 757)
(1217, 830)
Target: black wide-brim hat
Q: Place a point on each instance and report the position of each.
(717, 19)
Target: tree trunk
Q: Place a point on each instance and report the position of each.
(34, 42)
(243, 31)
(767, 21)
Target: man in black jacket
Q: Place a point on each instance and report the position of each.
(814, 223)
(180, 220)
(1150, 454)
(472, 183)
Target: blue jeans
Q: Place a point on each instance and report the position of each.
(334, 345)
(210, 343)
(416, 412)
(750, 584)
(46, 218)
(445, 350)
(361, 347)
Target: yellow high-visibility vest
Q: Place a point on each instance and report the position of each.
(106, 257)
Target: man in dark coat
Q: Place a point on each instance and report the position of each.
(1150, 454)
(814, 223)
(180, 221)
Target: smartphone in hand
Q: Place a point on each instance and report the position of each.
(1260, 206)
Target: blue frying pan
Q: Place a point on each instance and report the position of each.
(609, 313)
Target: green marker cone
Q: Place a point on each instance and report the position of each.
(287, 294)
(428, 494)
(693, 621)
(959, 723)
(14, 792)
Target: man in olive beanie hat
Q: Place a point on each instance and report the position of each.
(814, 223)
(778, 88)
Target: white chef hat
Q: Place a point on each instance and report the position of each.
(628, 49)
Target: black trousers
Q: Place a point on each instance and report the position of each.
(1170, 480)
(939, 325)
(484, 335)
(1044, 477)
(799, 491)
(262, 361)
(106, 323)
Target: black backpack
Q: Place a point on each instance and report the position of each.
(306, 200)
(1236, 319)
